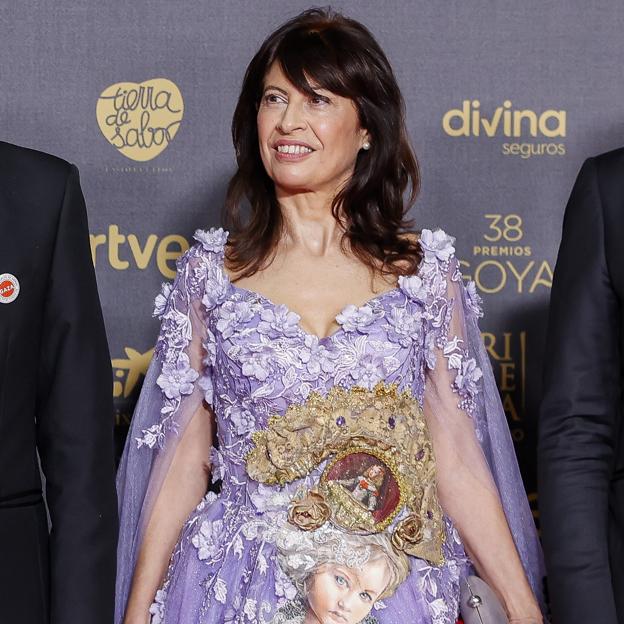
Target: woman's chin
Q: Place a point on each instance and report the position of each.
(293, 186)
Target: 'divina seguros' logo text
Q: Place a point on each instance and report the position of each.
(514, 123)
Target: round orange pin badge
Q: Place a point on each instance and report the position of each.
(9, 288)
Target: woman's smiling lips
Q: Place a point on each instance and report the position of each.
(288, 151)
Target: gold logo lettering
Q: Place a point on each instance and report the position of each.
(123, 251)
(128, 370)
(470, 120)
(140, 119)
(508, 358)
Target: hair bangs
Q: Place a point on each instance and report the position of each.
(310, 62)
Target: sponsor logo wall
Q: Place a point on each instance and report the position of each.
(504, 102)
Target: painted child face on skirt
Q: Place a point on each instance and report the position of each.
(337, 593)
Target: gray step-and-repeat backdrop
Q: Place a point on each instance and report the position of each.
(504, 101)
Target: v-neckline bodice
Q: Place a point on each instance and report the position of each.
(303, 332)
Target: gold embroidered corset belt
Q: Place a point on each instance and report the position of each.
(379, 463)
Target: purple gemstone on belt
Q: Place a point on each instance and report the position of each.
(391, 422)
(340, 421)
(430, 515)
(420, 454)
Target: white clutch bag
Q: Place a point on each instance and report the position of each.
(479, 604)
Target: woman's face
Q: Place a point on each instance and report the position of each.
(307, 144)
(336, 593)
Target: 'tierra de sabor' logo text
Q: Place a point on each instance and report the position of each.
(140, 120)
(506, 121)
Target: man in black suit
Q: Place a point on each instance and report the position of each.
(55, 400)
(581, 432)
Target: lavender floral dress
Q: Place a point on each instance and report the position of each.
(249, 358)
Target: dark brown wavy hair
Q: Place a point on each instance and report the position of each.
(341, 55)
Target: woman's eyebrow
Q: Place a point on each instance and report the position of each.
(317, 88)
(276, 89)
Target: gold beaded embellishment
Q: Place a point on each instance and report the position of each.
(379, 461)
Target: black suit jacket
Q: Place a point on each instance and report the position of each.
(55, 399)
(581, 445)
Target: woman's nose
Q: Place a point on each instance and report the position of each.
(293, 118)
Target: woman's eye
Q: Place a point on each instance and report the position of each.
(366, 597)
(341, 580)
(319, 99)
(272, 98)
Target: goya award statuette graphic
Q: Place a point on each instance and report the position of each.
(140, 119)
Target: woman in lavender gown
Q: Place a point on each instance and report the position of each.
(317, 340)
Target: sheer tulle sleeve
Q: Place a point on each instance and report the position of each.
(476, 462)
(179, 378)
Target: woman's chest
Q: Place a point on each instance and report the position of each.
(316, 290)
(264, 359)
